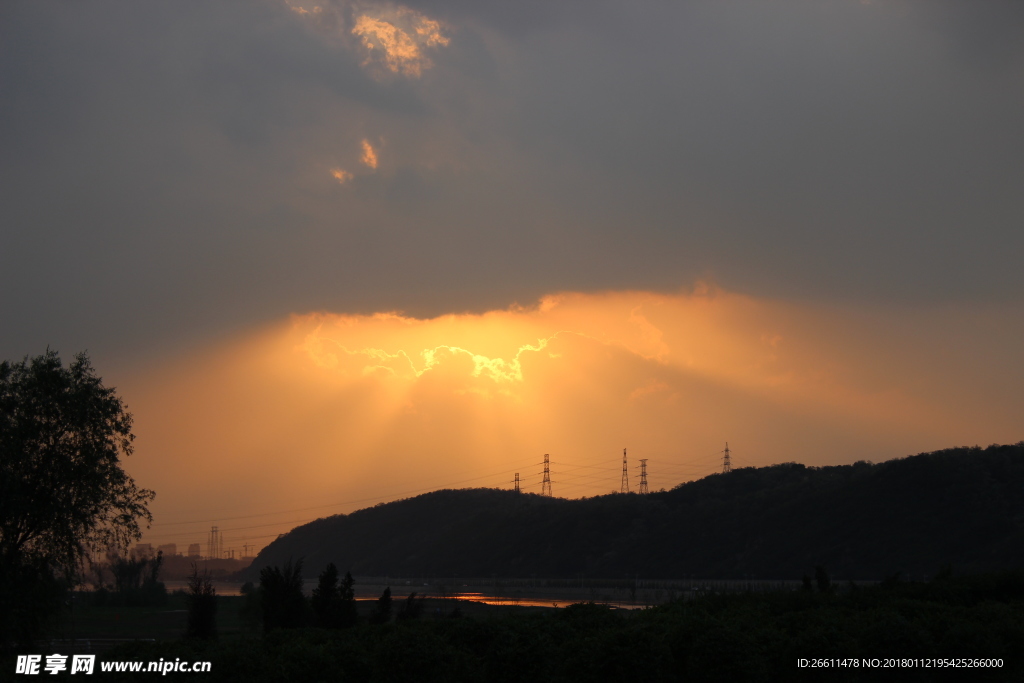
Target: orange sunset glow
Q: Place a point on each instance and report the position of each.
(630, 333)
(326, 413)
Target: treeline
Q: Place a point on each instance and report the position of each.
(961, 507)
(178, 567)
(735, 637)
(126, 580)
(278, 602)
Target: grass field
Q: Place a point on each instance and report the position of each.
(144, 622)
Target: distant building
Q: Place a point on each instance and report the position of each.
(168, 549)
(142, 551)
(193, 550)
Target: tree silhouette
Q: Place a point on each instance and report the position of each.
(251, 610)
(326, 599)
(137, 580)
(348, 614)
(334, 606)
(202, 606)
(382, 612)
(283, 604)
(62, 489)
(412, 608)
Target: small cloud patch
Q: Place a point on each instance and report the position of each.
(369, 157)
(397, 40)
(341, 175)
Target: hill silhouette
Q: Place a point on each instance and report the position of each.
(962, 507)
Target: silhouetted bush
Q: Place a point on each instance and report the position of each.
(382, 610)
(136, 581)
(31, 602)
(412, 608)
(334, 606)
(326, 600)
(281, 597)
(349, 615)
(202, 606)
(251, 610)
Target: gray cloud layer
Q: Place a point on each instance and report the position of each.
(165, 167)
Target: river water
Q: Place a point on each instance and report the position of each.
(622, 593)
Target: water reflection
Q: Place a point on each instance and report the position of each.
(534, 601)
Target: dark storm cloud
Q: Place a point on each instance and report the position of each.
(166, 167)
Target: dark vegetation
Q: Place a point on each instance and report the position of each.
(134, 581)
(382, 610)
(177, 567)
(334, 606)
(202, 607)
(963, 507)
(282, 604)
(62, 489)
(735, 637)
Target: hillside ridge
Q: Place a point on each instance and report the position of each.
(962, 507)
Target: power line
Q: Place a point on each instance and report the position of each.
(329, 505)
(586, 476)
(688, 466)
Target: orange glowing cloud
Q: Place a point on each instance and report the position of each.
(759, 348)
(393, 39)
(369, 157)
(397, 39)
(341, 175)
(347, 410)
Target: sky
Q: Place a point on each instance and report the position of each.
(336, 253)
